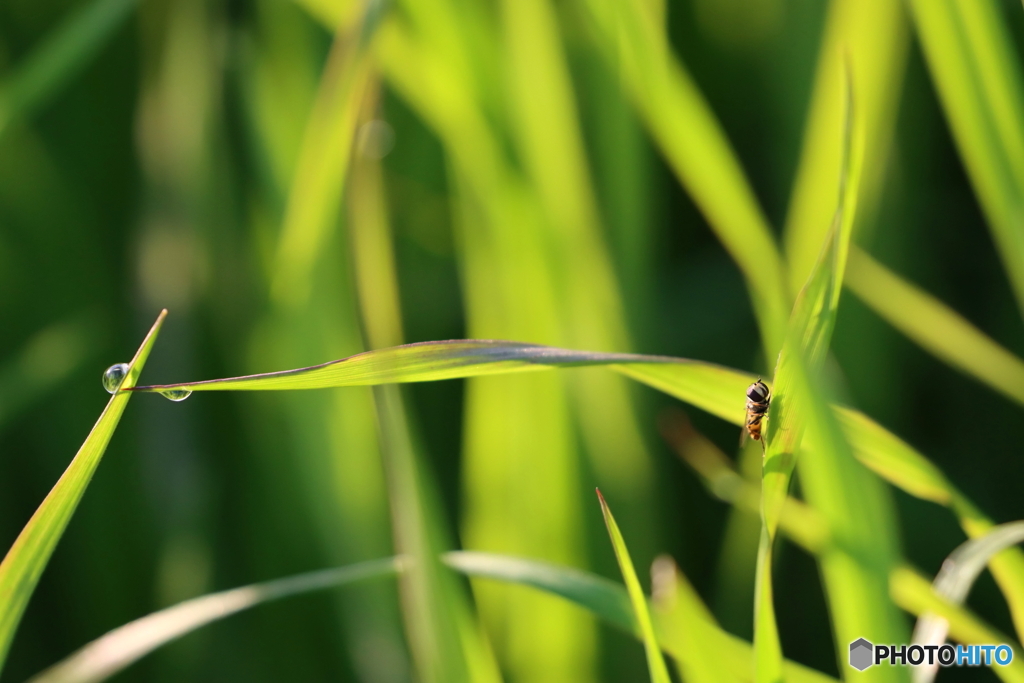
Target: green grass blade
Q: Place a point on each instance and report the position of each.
(501, 234)
(59, 58)
(893, 459)
(695, 146)
(935, 327)
(444, 639)
(445, 636)
(548, 134)
(516, 216)
(610, 601)
(308, 143)
(809, 335)
(607, 600)
(125, 645)
(713, 388)
(323, 164)
(373, 258)
(655, 660)
(767, 643)
(676, 609)
(977, 74)
(810, 327)
(801, 422)
(432, 361)
(858, 511)
(604, 598)
(873, 38)
(27, 558)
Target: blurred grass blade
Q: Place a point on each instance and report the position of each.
(518, 216)
(59, 58)
(893, 459)
(27, 558)
(548, 132)
(118, 649)
(696, 148)
(859, 513)
(898, 463)
(641, 610)
(334, 438)
(977, 73)
(611, 602)
(676, 608)
(914, 593)
(112, 653)
(445, 641)
(373, 258)
(873, 37)
(604, 598)
(323, 164)
(333, 14)
(445, 637)
(963, 566)
(518, 433)
(935, 327)
(954, 581)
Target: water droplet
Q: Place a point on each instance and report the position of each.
(114, 376)
(176, 394)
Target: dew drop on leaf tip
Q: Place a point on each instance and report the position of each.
(113, 377)
(176, 394)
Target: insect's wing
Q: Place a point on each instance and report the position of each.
(744, 435)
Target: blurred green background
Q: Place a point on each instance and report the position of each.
(504, 184)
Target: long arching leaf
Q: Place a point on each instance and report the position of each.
(125, 645)
(605, 599)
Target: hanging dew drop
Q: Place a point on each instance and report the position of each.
(176, 394)
(114, 376)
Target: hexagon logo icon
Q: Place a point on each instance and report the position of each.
(860, 654)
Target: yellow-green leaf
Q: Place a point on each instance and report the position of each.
(936, 327)
(25, 561)
(977, 73)
(641, 611)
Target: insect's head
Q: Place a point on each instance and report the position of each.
(758, 392)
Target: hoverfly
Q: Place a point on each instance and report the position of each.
(758, 400)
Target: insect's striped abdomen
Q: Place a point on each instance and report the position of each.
(758, 400)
